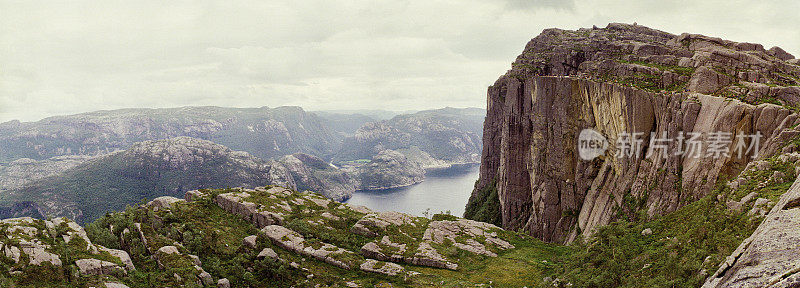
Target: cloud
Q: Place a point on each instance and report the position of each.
(539, 4)
(77, 56)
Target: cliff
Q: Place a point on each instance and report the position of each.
(620, 80)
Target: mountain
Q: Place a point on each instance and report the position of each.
(263, 132)
(151, 169)
(654, 215)
(344, 124)
(310, 173)
(433, 138)
(86, 185)
(619, 80)
(24, 170)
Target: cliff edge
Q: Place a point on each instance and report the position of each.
(625, 80)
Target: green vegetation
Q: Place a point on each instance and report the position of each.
(680, 70)
(685, 246)
(484, 205)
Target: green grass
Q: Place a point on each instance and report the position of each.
(685, 247)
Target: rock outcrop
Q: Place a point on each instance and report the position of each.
(293, 241)
(31, 242)
(621, 80)
(769, 257)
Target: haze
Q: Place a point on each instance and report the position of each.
(75, 56)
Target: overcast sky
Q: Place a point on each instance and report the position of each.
(64, 57)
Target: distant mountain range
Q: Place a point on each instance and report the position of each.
(263, 132)
(84, 165)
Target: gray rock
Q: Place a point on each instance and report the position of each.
(268, 253)
(115, 285)
(647, 232)
(223, 283)
(206, 278)
(249, 241)
(426, 255)
(542, 185)
(470, 230)
(768, 258)
(379, 221)
(293, 241)
(193, 195)
(168, 250)
(385, 268)
(98, 267)
(163, 202)
(195, 260)
(122, 255)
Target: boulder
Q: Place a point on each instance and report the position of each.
(428, 256)
(122, 255)
(223, 283)
(163, 202)
(115, 285)
(377, 222)
(205, 277)
(705, 80)
(385, 268)
(268, 253)
(195, 260)
(463, 234)
(97, 267)
(193, 195)
(293, 241)
(168, 250)
(249, 241)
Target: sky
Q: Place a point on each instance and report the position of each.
(66, 57)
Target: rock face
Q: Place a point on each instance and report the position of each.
(768, 258)
(621, 80)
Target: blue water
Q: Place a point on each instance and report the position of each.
(442, 190)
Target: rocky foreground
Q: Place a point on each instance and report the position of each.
(263, 237)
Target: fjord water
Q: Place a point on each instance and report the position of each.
(443, 190)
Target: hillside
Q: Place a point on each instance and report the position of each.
(432, 138)
(267, 237)
(263, 132)
(156, 168)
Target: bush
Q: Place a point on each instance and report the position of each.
(484, 205)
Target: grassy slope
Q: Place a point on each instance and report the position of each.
(685, 246)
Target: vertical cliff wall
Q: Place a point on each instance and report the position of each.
(618, 80)
(544, 188)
